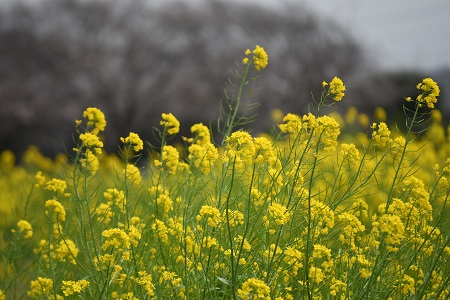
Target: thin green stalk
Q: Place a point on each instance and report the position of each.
(230, 123)
(227, 215)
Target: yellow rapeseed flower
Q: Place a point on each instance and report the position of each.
(428, 92)
(260, 58)
(25, 228)
(170, 159)
(337, 88)
(56, 209)
(132, 173)
(56, 185)
(40, 179)
(254, 288)
(279, 213)
(96, 119)
(70, 287)
(41, 288)
(133, 140)
(170, 123)
(92, 142)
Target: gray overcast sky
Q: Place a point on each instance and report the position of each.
(397, 33)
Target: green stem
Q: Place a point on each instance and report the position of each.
(234, 109)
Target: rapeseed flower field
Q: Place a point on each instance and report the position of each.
(306, 212)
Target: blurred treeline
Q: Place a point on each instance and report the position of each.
(135, 60)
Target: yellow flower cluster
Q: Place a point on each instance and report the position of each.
(92, 142)
(132, 173)
(133, 140)
(57, 185)
(25, 229)
(170, 123)
(380, 136)
(91, 145)
(41, 288)
(96, 119)
(70, 287)
(240, 149)
(202, 153)
(336, 89)
(117, 198)
(279, 213)
(254, 288)
(56, 210)
(428, 92)
(211, 214)
(170, 160)
(260, 58)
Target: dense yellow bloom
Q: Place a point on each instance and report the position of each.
(56, 185)
(350, 153)
(394, 228)
(211, 214)
(2, 295)
(337, 88)
(235, 217)
(96, 119)
(321, 251)
(418, 196)
(170, 123)
(41, 287)
(145, 280)
(161, 231)
(92, 142)
(240, 149)
(66, 250)
(201, 134)
(116, 238)
(164, 203)
(292, 125)
(327, 130)
(103, 210)
(40, 179)
(380, 136)
(429, 91)
(254, 288)
(208, 242)
(260, 58)
(133, 140)
(25, 228)
(90, 162)
(408, 285)
(264, 151)
(279, 213)
(316, 274)
(70, 287)
(170, 159)
(337, 286)
(203, 156)
(56, 210)
(132, 173)
(117, 197)
(322, 215)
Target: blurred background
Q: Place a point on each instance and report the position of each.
(138, 58)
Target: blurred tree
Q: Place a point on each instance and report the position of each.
(135, 61)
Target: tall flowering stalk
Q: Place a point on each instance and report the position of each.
(229, 119)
